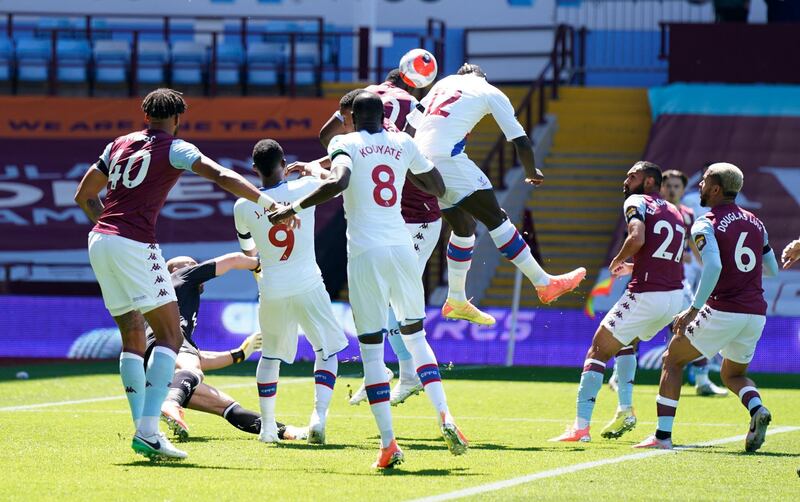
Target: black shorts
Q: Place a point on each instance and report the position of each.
(188, 346)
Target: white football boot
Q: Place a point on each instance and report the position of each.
(156, 447)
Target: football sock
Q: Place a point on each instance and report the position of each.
(158, 376)
(324, 380)
(182, 386)
(399, 348)
(131, 371)
(377, 386)
(510, 243)
(751, 399)
(243, 419)
(267, 380)
(591, 382)
(427, 370)
(625, 367)
(665, 409)
(459, 259)
(701, 369)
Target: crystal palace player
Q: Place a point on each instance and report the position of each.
(655, 294)
(453, 107)
(291, 292)
(369, 167)
(728, 312)
(138, 170)
(420, 211)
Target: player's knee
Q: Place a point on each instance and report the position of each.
(371, 338)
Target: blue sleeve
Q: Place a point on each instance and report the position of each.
(183, 155)
(635, 207)
(769, 264)
(703, 236)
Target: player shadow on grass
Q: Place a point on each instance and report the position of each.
(181, 465)
(437, 444)
(715, 451)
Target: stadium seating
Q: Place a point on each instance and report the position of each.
(188, 61)
(73, 59)
(6, 60)
(153, 57)
(230, 56)
(33, 59)
(111, 61)
(264, 60)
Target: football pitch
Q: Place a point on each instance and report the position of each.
(65, 434)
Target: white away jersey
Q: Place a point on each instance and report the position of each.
(372, 199)
(288, 262)
(452, 108)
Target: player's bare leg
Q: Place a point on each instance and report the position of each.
(211, 400)
(603, 347)
(188, 375)
(459, 260)
(680, 352)
(734, 375)
(149, 441)
(483, 205)
(428, 370)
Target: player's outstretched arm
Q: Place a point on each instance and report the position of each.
(336, 183)
(230, 181)
(235, 261)
(333, 127)
(430, 182)
(524, 147)
(215, 360)
(88, 194)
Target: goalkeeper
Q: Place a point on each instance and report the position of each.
(187, 389)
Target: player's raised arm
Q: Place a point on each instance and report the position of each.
(88, 194)
(634, 214)
(235, 261)
(333, 127)
(230, 181)
(336, 183)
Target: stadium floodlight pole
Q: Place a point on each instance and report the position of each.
(512, 329)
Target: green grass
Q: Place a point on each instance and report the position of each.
(82, 451)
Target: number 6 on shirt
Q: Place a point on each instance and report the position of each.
(287, 240)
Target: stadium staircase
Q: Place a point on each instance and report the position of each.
(601, 132)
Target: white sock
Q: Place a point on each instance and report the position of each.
(511, 245)
(427, 370)
(267, 380)
(459, 259)
(378, 391)
(324, 380)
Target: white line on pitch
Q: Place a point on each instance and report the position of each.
(560, 471)
(26, 407)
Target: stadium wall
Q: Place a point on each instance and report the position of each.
(80, 328)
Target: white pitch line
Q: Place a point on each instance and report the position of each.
(560, 471)
(27, 407)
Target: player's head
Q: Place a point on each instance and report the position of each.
(162, 109)
(721, 183)
(346, 108)
(643, 177)
(471, 69)
(673, 185)
(394, 78)
(179, 262)
(268, 161)
(368, 112)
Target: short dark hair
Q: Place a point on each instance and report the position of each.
(394, 77)
(267, 155)
(650, 170)
(163, 103)
(347, 99)
(674, 173)
(469, 68)
(368, 106)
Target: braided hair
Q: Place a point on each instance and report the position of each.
(163, 103)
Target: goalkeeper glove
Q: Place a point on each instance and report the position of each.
(250, 344)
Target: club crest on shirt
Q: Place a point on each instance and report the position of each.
(700, 242)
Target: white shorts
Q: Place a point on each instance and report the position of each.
(642, 315)
(732, 334)
(381, 276)
(279, 319)
(132, 274)
(425, 237)
(462, 178)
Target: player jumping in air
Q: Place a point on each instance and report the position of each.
(188, 388)
(728, 312)
(655, 294)
(420, 211)
(291, 292)
(138, 170)
(453, 107)
(369, 167)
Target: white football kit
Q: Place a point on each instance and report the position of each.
(291, 291)
(452, 109)
(382, 265)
